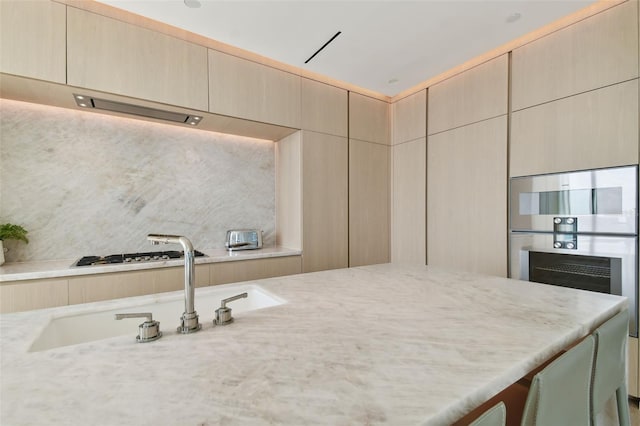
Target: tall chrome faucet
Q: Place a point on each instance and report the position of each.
(189, 319)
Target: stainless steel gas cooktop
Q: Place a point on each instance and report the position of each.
(156, 256)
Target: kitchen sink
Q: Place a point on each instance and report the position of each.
(100, 324)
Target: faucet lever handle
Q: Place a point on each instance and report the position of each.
(223, 314)
(147, 315)
(148, 330)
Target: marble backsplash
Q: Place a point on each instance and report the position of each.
(84, 183)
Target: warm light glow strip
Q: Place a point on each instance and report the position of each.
(124, 16)
(568, 20)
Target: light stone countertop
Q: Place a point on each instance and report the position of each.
(18, 271)
(381, 344)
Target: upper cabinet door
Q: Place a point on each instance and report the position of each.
(32, 39)
(587, 131)
(324, 108)
(368, 119)
(409, 118)
(245, 89)
(474, 95)
(593, 53)
(112, 56)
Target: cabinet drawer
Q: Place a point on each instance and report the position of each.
(33, 294)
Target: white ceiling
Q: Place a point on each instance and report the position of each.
(381, 41)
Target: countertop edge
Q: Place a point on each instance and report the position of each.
(22, 271)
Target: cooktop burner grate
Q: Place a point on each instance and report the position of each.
(155, 256)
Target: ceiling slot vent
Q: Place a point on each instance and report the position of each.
(323, 46)
(141, 111)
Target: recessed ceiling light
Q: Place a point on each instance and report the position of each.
(513, 17)
(194, 4)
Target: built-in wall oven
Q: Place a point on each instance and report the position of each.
(578, 229)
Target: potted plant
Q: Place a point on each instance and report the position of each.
(9, 231)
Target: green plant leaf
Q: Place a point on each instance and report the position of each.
(9, 231)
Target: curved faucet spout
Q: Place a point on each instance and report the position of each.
(190, 317)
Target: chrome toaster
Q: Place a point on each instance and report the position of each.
(243, 239)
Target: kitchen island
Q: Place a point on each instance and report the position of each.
(380, 344)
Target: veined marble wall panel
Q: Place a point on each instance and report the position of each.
(84, 183)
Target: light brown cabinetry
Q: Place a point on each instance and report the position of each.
(112, 56)
(408, 180)
(591, 130)
(369, 177)
(409, 233)
(368, 203)
(325, 202)
(368, 119)
(323, 108)
(254, 269)
(409, 118)
(466, 205)
(596, 52)
(245, 89)
(477, 94)
(32, 39)
(93, 288)
(33, 294)
(633, 365)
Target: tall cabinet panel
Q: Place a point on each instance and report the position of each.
(368, 203)
(32, 39)
(408, 190)
(324, 202)
(467, 170)
(467, 193)
(409, 232)
(592, 53)
(369, 178)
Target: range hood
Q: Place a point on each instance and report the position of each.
(85, 101)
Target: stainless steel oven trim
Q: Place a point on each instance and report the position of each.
(625, 177)
(623, 247)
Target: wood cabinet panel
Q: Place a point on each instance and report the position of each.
(368, 119)
(32, 39)
(633, 369)
(255, 269)
(33, 294)
(591, 130)
(467, 198)
(325, 202)
(408, 232)
(409, 118)
(92, 288)
(113, 56)
(324, 108)
(368, 203)
(474, 95)
(245, 89)
(289, 192)
(598, 51)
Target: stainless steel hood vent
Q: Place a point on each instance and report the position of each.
(84, 101)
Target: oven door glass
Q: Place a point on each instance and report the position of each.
(602, 201)
(601, 274)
